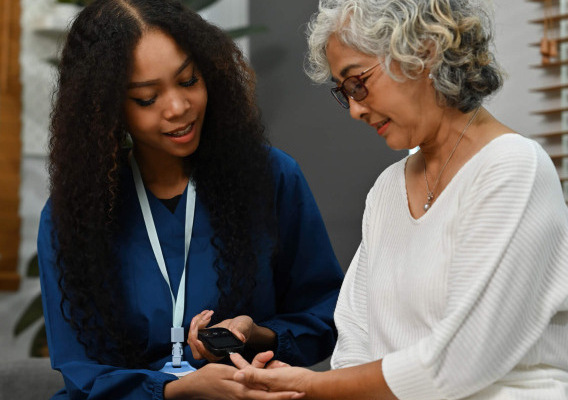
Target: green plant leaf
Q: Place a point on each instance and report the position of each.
(198, 5)
(33, 267)
(246, 30)
(32, 313)
(38, 346)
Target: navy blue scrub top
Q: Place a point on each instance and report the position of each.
(296, 300)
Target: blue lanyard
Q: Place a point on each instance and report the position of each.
(178, 304)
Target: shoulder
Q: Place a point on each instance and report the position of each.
(45, 216)
(516, 156)
(281, 161)
(286, 171)
(389, 179)
(510, 167)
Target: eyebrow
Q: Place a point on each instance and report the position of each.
(344, 71)
(134, 85)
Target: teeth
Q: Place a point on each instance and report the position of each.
(383, 123)
(182, 133)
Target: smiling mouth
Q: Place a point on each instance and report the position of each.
(180, 132)
(383, 123)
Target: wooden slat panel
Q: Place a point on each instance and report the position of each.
(10, 143)
(559, 40)
(554, 64)
(554, 88)
(558, 157)
(552, 18)
(551, 111)
(549, 134)
(9, 281)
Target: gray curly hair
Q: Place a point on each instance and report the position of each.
(452, 38)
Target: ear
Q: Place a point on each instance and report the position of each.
(429, 56)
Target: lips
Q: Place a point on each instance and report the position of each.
(180, 131)
(382, 123)
(382, 126)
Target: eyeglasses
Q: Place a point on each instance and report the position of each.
(351, 87)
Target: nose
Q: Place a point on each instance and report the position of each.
(357, 109)
(176, 105)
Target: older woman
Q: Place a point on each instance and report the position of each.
(459, 287)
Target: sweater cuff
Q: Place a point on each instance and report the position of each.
(407, 377)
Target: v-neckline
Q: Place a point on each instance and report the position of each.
(441, 196)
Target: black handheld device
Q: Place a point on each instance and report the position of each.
(220, 341)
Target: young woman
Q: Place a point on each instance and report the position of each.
(200, 214)
(459, 288)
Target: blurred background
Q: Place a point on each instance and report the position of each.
(340, 158)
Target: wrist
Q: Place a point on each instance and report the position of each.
(262, 338)
(311, 381)
(186, 387)
(173, 390)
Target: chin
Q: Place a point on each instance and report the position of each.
(393, 145)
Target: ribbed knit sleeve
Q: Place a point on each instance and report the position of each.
(507, 280)
(351, 313)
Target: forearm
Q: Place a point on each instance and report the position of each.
(174, 390)
(363, 382)
(192, 385)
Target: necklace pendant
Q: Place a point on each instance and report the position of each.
(429, 198)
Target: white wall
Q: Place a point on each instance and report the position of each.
(513, 104)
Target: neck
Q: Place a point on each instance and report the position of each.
(164, 176)
(438, 148)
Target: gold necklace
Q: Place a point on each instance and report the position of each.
(430, 193)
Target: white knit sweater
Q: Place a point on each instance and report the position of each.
(471, 299)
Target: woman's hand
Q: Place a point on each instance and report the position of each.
(243, 327)
(198, 350)
(215, 381)
(261, 360)
(277, 376)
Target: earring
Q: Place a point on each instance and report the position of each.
(430, 76)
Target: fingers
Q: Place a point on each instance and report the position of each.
(241, 326)
(258, 383)
(239, 361)
(247, 376)
(198, 350)
(276, 364)
(263, 395)
(261, 359)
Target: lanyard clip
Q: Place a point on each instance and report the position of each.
(177, 348)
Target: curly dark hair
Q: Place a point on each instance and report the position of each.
(230, 168)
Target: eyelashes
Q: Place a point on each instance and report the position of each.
(145, 103)
(190, 82)
(149, 102)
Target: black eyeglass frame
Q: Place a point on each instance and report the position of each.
(342, 96)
